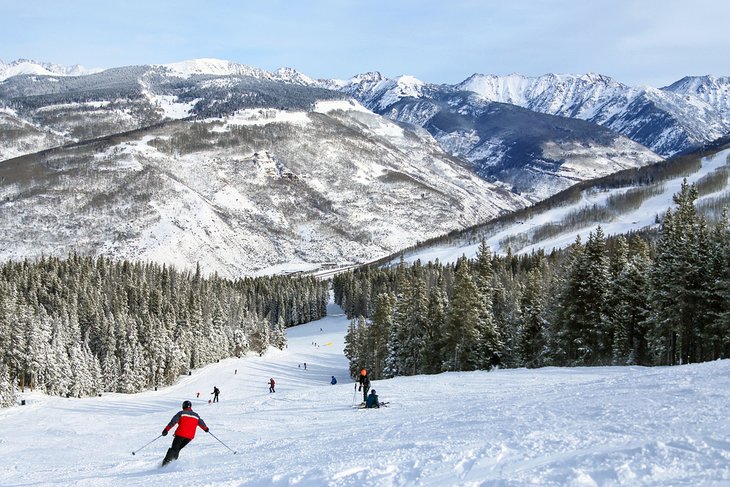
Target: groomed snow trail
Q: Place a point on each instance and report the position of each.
(555, 426)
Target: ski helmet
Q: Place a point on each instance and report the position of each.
(187, 405)
(372, 392)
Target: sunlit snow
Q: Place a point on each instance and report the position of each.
(553, 426)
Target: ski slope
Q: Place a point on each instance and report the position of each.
(596, 426)
(642, 217)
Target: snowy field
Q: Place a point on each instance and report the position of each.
(553, 426)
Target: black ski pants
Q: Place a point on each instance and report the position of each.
(178, 443)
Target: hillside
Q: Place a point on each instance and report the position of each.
(551, 426)
(258, 191)
(619, 204)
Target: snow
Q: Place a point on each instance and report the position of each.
(215, 67)
(552, 426)
(264, 116)
(642, 217)
(327, 106)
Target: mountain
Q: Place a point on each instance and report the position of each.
(258, 190)
(40, 112)
(245, 171)
(665, 121)
(536, 153)
(629, 201)
(29, 67)
(713, 90)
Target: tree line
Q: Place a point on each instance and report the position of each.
(662, 300)
(80, 326)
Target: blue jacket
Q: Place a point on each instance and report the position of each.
(333, 381)
(372, 401)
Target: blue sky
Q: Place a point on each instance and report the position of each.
(651, 42)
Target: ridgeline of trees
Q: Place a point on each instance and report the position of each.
(80, 326)
(620, 302)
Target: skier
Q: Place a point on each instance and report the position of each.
(365, 388)
(215, 393)
(372, 400)
(187, 422)
(361, 378)
(305, 365)
(271, 385)
(333, 381)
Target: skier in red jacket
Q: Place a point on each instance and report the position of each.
(187, 422)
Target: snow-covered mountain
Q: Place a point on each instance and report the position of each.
(255, 191)
(667, 121)
(26, 66)
(157, 129)
(620, 207)
(713, 90)
(538, 154)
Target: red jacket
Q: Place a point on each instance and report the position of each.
(187, 422)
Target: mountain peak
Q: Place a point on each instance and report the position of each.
(29, 66)
(292, 76)
(215, 67)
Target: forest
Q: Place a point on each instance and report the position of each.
(628, 300)
(81, 326)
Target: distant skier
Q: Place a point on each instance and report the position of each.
(271, 385)
(215, 393)
(305, 365)
(333, 381)
(494, 361)
(372, 400)
(187, 422)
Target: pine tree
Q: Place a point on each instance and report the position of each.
(676, 299)
(463, 323)
(380, 331)
(490, 338)
(532, 338)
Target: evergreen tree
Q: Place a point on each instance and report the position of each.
(532, 338)
(463, 323)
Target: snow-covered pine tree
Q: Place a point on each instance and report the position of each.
(490, 337)
(463, 323)
(380, 330)
(532, 340)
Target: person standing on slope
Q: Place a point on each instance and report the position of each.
(271, 385)
(187, 422)
(363, 375)
(365, 388)
(215, 393)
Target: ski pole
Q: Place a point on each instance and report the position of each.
(214, 436)
(354, 394)
(147, 444)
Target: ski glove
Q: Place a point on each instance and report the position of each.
(164, 432)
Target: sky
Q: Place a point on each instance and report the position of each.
(586, 426)
(652, 42)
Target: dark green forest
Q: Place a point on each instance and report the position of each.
(81, 326)
(621, 301)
